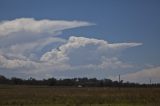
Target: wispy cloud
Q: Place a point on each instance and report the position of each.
(38, 26)
(144, 76)
(17, 63)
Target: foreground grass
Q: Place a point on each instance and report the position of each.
(70, 96)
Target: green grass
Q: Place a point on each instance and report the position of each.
(72, 96)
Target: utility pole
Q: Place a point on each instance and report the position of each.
(150, 81)
(119, 78)
(119, 81)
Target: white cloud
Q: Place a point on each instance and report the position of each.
(83, 50)
(89, 56)
(30, 49)
(17, 63)
(75, 53)
(30, 46)
(37, 26)
(113, 63)
(144, 75)
(28, 38)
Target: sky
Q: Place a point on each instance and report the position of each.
(80, 38)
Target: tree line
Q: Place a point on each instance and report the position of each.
(76, 82)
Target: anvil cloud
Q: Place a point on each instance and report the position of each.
(46, 53)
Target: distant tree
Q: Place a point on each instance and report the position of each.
(3, 79)
(16, 81)
(51, 81)
(31, 81)
(83, 82)
(107, 82)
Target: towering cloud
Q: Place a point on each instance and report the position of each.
(76, 52)
(32, 47)
(85, 50)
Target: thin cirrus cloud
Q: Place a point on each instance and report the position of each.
(38, 26)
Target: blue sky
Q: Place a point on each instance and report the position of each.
(115, 21)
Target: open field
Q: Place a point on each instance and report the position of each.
(72, 96)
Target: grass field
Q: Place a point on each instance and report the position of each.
(72, 96)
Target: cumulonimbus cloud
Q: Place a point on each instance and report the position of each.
(88, 54)
(38, 50)
(38, 26)
(74, 52)
(84, 46)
